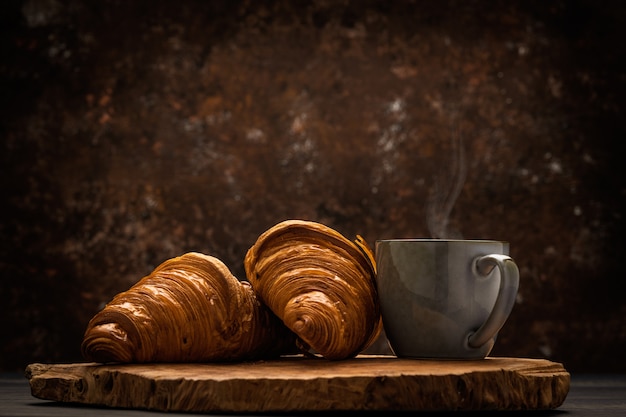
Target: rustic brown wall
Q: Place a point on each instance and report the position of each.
(132, 132)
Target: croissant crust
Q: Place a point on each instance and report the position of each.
(320, 284)
(189, 309)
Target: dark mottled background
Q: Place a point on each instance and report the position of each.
(134, 131)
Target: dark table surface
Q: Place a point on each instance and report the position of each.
(589, 395)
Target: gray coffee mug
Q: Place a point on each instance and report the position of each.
(444, 298)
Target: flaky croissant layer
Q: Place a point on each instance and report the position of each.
(320, 284)
(189, 309)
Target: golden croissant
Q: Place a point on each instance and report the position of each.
(189, 309)
(321, 284)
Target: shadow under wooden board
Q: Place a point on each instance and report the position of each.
(290, 384)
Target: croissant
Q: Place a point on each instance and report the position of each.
(320, 284)
(189, 309)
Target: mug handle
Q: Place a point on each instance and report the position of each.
(509, 283)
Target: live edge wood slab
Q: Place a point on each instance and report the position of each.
(309, 384)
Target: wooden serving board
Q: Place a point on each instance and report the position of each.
(309, 384)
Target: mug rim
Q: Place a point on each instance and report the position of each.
(425, 240)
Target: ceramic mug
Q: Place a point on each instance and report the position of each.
(444, 299)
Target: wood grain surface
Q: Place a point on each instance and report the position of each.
(309, 384)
